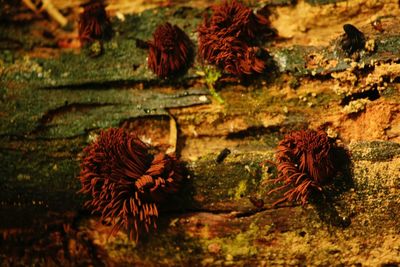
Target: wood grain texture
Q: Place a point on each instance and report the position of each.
(54, 101)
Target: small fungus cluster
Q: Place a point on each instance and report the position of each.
(227, 39)
(305, 164)
(94, 23)
(170, 52)
(125, 181)
(353, 39)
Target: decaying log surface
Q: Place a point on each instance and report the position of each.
(358, 225)
(54, 101)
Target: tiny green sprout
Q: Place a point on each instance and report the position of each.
(211, 76)
(95, 49)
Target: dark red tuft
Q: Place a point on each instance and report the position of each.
(125, 181)
(305, 163)
(170, 52)
(235, 19)
(227, 38)
(94, 23)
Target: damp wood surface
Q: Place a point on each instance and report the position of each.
(54, 101)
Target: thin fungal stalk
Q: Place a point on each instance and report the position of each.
(125, 182)
(305, 164)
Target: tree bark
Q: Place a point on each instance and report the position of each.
(52, 106)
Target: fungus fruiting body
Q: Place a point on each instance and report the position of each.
(222, 155)
(125, 181)
(353, 40)
(228, 39)
(94, 23)
(170, 52)
(305, 164)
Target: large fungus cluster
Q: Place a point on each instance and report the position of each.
(305, 164)
(125, 181)
(227, 38)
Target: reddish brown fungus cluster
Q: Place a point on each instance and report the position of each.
(125, 181)
(94, 23)
(227, 38)
(170, 52)
(305, 164)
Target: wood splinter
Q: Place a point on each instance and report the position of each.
(48, 6)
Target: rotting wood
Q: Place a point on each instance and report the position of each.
(213, 219)
(47, 117)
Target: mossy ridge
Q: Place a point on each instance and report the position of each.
(375, 150)
(271, 237)
(122, 60)
(77, 111)
(228, 184)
